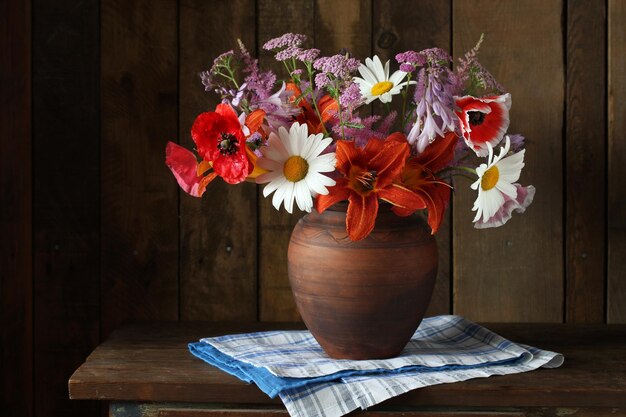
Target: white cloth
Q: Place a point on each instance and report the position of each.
(291, 364)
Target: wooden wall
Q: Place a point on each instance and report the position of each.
(95, 231)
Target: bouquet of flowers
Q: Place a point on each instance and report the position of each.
(314, 139)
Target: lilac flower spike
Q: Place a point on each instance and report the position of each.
(434, 97)
(470, 71)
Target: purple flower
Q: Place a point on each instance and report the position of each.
(223, 57)
(207, 80)
(517, 142)
(288, 53)
(407, 67)
(308, 55)
(321, 80)
(255, 141)
(259, 83)
(410, 60)
(340, 66)
(237, 95)
(286, 40)
(278, 108)
(471, 71)
(435, 101)
(362, 130)
(351, 96)
(436, 56)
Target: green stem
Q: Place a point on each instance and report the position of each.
(343, 133)
(314, 99)
(405, 95)
(460, 175)
(287, 67)
(232, 77)
(461, 168)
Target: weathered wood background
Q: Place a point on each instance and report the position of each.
(95, 231)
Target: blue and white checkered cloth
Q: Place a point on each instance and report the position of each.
(292, 365)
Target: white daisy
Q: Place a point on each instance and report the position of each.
(294, 163)
(495, 181)
(376, 82)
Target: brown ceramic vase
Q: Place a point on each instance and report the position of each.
(362, 300)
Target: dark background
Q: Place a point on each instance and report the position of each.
(94, 231)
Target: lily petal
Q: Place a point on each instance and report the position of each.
(361, 216)
(338, 192)
(402, 197)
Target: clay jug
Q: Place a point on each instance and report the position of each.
(365, 299)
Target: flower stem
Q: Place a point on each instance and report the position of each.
(314, 98)
(405, 95)
(232, 77)
(343, 133)
(461, 168)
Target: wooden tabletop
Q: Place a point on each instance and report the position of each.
(150, 362)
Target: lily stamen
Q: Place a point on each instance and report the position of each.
(367, 179)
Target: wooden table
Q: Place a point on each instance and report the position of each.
(145, 370)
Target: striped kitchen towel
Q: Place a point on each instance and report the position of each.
(292, 365)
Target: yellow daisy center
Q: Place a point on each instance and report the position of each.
(490, 178)
(381, 88)
(295, 168)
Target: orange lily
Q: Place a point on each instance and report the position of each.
(369, 174)
(418, 176)
(327, 106)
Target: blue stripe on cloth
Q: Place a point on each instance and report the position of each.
(243, 355)
(272, 385)
(291, 364)
(440, 341)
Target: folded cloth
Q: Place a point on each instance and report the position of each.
(291, 364)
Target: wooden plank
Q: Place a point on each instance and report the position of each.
(16, 330)
(218, 234)
(515, 272)
(592, 375)
(276, 303)
(209, 410)
(66, 195)
(415, 25)
(616, 166)
(344, 25)
(204, 410)
(585, 161)
(139, 199)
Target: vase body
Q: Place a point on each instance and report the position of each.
(365, 299)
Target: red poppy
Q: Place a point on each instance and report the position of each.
(327, 106)
(220, 140)
(483, 120)
(418, 176)
(369, 174)
(185, 167)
